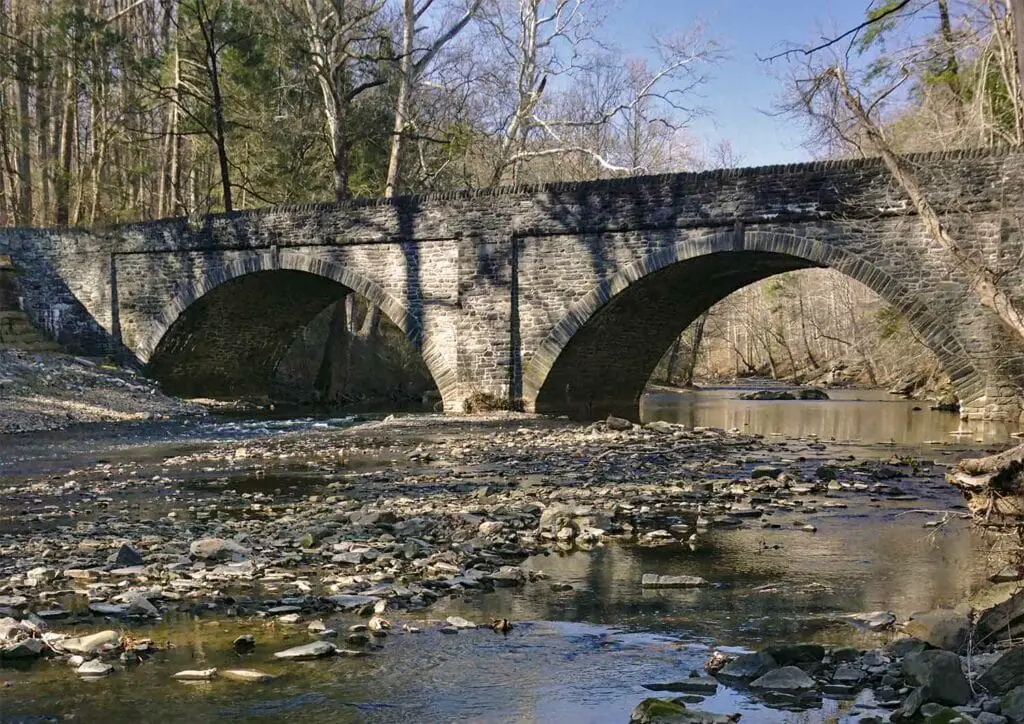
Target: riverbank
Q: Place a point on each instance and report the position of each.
(50, 391)
(289, 537)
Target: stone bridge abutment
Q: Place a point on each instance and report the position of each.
(562, 295)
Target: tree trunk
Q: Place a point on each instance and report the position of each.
(208, 29)
(696, 340)
(1017, 15)
(402, 103)
(673, 359)
(982, 280)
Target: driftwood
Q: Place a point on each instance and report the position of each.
(993, 485)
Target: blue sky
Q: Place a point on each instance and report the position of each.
(742, 86)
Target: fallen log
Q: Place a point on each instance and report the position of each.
(993, 485)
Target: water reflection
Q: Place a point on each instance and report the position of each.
(869, 416)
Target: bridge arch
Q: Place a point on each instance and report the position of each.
(314, 283)
(598, 358)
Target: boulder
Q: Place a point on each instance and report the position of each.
(218, 549)
(943, 628)
(788, 679)
(1004, 619)
(1006, 673)
(939, 671)
(1012, 705)
(94, 668)
(246, 675)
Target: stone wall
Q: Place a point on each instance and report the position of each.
(564, 294)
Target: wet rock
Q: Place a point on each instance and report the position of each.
(765, 471)
(306, 652)
(746, 667)
(848, 675)
(347, 602)
(508, 576)
(246, 675)
(218, 549)
(939, 671)
(653, 580)
(89, 644)
(1006, 673)
(460, 623)
(695, 684)
(1012, 705)
(94, 668)
(905, 646)
(195, 675)
(943, 628)
(788, 679)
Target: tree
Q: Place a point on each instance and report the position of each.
(413, 64)
(539, 48)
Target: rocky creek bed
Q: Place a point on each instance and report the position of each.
(324, 545)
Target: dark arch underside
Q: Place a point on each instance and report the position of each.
(606, 365)
(228, 343)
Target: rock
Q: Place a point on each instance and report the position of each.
(107, 609)
(939, 671)
(24, 649)
(1005, 619)
(910, 706)
(508, 576)
(491, 527)
(653, 580)
(796, 654)
(88, 644)
(138, 603)
(246, 675)
(873, 621)
(94, 668)
(765, 471)
(692, 685)
(126, 556)
(1006, 673)
(618, 424)
(460, 623)
(244, 644)
(942, 628)
(789, 679)
(661, 711)
(903, 647)
(350, 602)
(305, 652)
(847, 674)
(195, 675)
(1012, 705)
(650, 711)
(218, 549)
(748, 666)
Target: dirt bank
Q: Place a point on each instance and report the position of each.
(48, 391)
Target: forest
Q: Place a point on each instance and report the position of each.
(120, 110)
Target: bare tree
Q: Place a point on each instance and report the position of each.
(414, 63)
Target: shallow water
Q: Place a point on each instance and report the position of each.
(866, 416)
(580, 655)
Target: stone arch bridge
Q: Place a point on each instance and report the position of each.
(564, 295)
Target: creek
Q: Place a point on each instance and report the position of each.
(581, 653)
